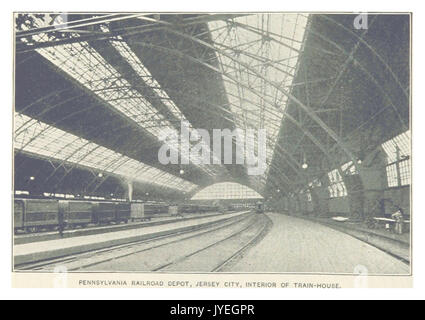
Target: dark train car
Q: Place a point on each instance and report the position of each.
(104, 212)
(18, 214)
(40, 213)
(123, 212)
(153, 208)
(188, 208)
(196, 208)
(207, 208)
(76, 212)
(213, 208)
(182, 208)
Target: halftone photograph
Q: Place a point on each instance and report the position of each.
(166, 149)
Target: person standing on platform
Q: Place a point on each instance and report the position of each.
(399, 220)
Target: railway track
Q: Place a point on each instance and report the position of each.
(91, 259)
(226, 264)
(216, 256)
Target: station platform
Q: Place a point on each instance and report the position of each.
(50, 249)
(397, 245)
(298, 245)
(152, 220)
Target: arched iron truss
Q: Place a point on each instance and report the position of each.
(159, 25)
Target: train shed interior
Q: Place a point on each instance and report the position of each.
(115, 140)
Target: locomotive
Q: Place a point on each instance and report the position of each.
(259, 207)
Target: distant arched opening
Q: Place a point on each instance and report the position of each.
(226, 190)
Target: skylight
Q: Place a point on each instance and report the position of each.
(226, 190)
(85, 65)
(400, 142)
(125, 51)
(41, 139)
(336, 185)
(398, 152)
(270, 44)
(349, 168)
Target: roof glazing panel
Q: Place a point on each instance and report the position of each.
(270, 45)
(84, 64)
(226, 190)
(43, 140)
(400, 143)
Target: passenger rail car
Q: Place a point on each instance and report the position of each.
(195, 208)
(104, 212)
(123, 212)
(76, 212)
(155, 208)
(207, 208)
(188, 208)
(31, 215)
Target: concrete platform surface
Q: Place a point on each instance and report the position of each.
(42, 250)
(298, 245)
(154, 221)
(397, 245)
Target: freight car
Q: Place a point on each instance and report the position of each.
(137, 211)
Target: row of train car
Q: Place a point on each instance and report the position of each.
(32, 215)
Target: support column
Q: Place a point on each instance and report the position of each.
(374, 183)
(322, 194)
(130, 190)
